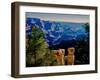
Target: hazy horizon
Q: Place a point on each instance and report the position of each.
(59, 17)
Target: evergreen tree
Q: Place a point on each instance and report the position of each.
(37, 51)
(82, 48)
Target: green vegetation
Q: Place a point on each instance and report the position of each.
(82, 48)
(39, 54)
(37, 51)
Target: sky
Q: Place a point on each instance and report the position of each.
(59, 17)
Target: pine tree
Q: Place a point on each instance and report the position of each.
(37, 51)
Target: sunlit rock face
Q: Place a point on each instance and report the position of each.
(58, 34)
